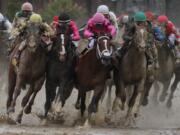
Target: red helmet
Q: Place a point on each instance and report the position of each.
(149, 15)
(27, 6)
(98, 18)
(56, 18)
(162, 19)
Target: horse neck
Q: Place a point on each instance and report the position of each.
(134, 53)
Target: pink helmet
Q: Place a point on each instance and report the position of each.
(162, 19)
(98, 18)
(27, 6)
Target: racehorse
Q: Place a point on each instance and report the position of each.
(30, 70)
(132, 70)
(164, 73)
(60, 69)
(92, 71)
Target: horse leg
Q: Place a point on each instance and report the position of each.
(37, 86)
(120, 99)
(17, 92)
(11, 86)
(24, 102)
(50, 95)
(95, 99)
(67, 90)
(165, 89)
(145, 100)
(83, 103)
(108, 102)
(173, 88)
(77, 105)
(156, 93)
(135, 102)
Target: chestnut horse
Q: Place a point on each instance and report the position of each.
(92, 71)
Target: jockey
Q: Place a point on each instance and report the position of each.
(64, 21)
(140, 19)
(5, 24)
(46, 32)
(96, 25)
(171, 34)
(23, 15)
(19, 21)
(109, 15)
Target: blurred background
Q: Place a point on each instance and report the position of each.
(80, 10)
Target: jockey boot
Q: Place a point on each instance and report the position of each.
(15, 60)
(177, 54)
(16, 57)
(150, 60)
(155, 56)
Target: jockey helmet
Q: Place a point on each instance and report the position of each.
(103, 9)
(125, 18)
(98, 18)
(150, 15)
(27, 7)
(64, 18)
(162, 19)
(35, 18)
(139, 17)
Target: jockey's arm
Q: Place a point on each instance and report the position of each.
(88, 33)
(112, 30)
(8, 26)
(74, 28)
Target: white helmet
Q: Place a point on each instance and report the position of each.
(125, 19)
(103, 9)
(1, 17)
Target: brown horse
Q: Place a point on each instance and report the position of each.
(132, 71)
(174, 85)
(164, 74)
(31, 70)
(92, 71)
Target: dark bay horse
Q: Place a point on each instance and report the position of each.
(92, 71)
(164, 74)
(31, 70)
(60, 69)
(132, 70)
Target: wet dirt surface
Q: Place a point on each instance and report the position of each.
(155, 119)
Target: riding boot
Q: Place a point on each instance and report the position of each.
(149, 59)
(17, 55)
(176, 54)
(155, 56)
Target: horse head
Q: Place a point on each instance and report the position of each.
(140, 37)
(63, 41)
(33, 37)
(104, 48)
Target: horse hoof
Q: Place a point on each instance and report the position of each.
(18, 121)
(162, 98)
(92, 109)
(77, 106)
(27, 110)
(145, 102)
(169, 104)
(10, 110)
